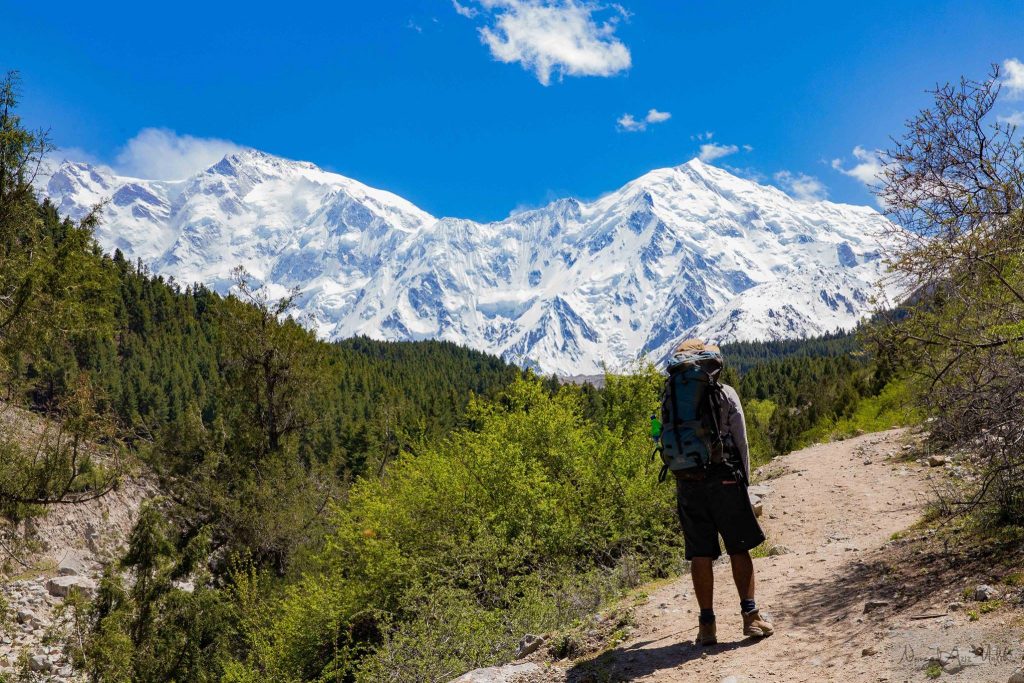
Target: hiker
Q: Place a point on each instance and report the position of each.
(703, 442)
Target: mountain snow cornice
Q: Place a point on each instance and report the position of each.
(690, 250)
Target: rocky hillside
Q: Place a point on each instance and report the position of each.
(48, 558)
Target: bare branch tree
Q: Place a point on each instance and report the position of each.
(955, 185)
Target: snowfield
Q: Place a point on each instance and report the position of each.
(567, 289)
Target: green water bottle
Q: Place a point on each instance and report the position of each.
(655, 427)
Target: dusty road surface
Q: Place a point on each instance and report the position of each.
(834, 507)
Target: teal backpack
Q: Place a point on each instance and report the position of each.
(688, 435)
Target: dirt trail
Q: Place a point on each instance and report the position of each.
(834, 507)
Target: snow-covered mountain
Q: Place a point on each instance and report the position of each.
(678, 251)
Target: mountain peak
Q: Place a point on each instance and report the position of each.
(563, 288)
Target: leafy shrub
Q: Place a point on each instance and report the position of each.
(532, 519)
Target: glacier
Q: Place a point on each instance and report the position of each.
(571, 288)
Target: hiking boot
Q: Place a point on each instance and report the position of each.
(706, 635)
(756, 627)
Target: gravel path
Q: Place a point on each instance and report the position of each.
(834, 507)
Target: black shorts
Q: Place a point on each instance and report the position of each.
(709, 507)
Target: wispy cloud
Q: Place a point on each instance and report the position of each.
(1014, 81)
(630, 123)
(867, 168)
(464, 10)
(1014, 119)
(710, 151)
(552, 38)
(161, 154)
(800, 186)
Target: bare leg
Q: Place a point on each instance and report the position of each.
(703, 581)
(742, 574)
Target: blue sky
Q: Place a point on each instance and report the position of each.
(447, 104)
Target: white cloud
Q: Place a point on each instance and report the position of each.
(868, 168)
(655, 116)
(1014, 119)
(464, 10)
(712, 150)
(413, 26)
(801, 186)
(1014, 81)
(553, 37)
(161, 154)
(630, 123)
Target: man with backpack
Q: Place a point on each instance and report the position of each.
(703, 442)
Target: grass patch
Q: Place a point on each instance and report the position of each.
(759, 414)
(934, 670)
(893, 407)
(1015, 579)
(990, 606)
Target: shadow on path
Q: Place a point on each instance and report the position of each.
(640, 659)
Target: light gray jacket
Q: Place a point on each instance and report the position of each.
(732, 421)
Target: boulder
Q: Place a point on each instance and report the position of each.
(71, 566)
(528, 645)
(936, 460)
(62, 586)
(497, 674)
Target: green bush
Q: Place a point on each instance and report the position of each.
(533, 518)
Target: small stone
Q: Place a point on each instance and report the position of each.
(755, 502)
(868, 652)
(956, 607)
(984, 592)
(872, 605)
(779, 550)
(1017, 676)
(936, 460)
(39, 663)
